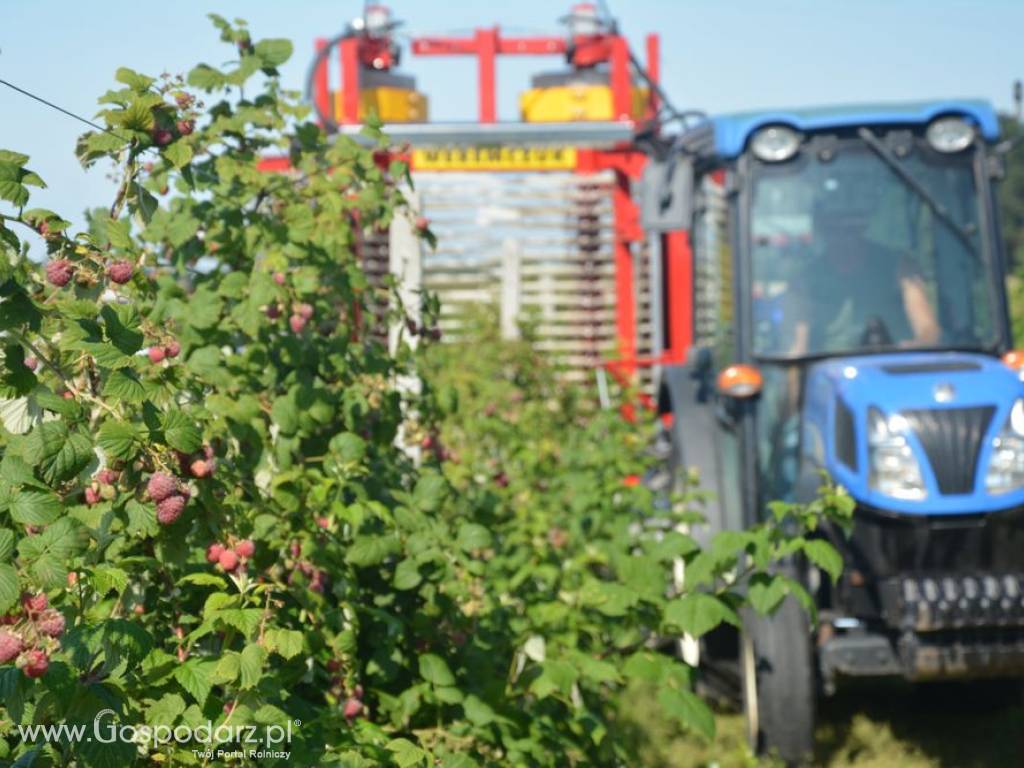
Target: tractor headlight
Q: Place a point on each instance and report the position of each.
(949, 135)
(1006, 464)
(892, 467)
(775, 143)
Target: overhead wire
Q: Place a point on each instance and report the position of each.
(60, 109)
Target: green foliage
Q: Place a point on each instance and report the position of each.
(479, 608)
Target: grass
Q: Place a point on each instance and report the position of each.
(880, 725)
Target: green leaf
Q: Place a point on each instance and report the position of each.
(473, 536)
(766, 592)
(178, 154)
(119, 233)
(9, 589)
(435, 670)
(697, 613)
(688, 709)
(371, 550)
(194, 677)
(477, 712)
(181, 433)
(141, 519)
(125, 385)
(273, 52)
(206, 77)
(250, 667)
(407, 575)
(227, 669)
(285, 414)
(107, 578)
(133, 79)
(165, 710)
(825, 556)
(405, 753)
(203, 580)
(119, 439)
(556, 677)
(35, 507)
(57, 455)
(122, 324)
(609, 598)
(6, 544)
(285, 642)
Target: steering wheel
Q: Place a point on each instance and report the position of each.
(876, 333)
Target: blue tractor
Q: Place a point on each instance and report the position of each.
(850, 322)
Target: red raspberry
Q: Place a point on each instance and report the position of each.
(162, 137)
(36, 663)
(35, 603)
(172, 348)
(228, 560)
(92, 496)
(51, 623)
(170, 509)
(208, 451)
(10, 646)
(72, 579)
(422, 223)
(161, 485)
(185, 127)
(108, 476)
(156, 354)
(229, 707)
(323, 522)
(120, 271)
(353, 707)
(245, 548)
(213, 552)
(273, 311)
(297, 323)
(279, 278)
(305, 311)
(59, 272)
(31, 363)
(200, 468)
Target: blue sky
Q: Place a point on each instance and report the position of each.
(717, 55)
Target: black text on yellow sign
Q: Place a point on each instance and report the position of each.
(494, 159)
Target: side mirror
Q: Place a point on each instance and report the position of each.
(666, 194)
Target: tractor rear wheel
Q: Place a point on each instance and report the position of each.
(777, 666)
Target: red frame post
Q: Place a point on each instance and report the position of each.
(678, 277)
(349, 52)
(653, 72)
(321, 90)
(487, 53)
(622, 91)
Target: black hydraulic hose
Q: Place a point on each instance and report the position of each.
(327, 120)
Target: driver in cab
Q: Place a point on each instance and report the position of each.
(856, 294)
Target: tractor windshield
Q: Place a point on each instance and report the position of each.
(855, 247)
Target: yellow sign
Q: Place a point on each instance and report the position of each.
(494, 159)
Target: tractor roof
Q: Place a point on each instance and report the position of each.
(726, 135)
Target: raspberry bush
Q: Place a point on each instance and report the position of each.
(207, 513)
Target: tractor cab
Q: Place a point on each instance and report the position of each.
(850, 321)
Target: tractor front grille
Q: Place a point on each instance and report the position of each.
(952, 438)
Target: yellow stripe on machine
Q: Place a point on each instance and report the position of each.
(494, 159)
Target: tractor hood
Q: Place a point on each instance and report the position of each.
(947, 410)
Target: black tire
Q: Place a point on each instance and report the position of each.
(780, 705)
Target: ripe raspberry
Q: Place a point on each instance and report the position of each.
(229, 707)
(305, 311)
(120, 271)
(108, 476)
(51, 623)
(200, 468)
(31, 363)
(72, 579)
(162, 137)
(297, 323)
(172, 348)
(161, 485)
(185, 127)
(422, 223)
(279, 278)
(213, 552)
(323, 522)
(208, 451)
(170, 509)
(92, 496)
(43, 228)
(156, 354)
(59, 272)
(273, 311)
(353, 707)
(35, 663)
(228, 560)
(245, 548)
(35, 603)
(10, 646)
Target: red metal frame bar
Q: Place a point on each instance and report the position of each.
(349, 59)
(653, 72)
(487, 54)
(678, 276)
(321, 90)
